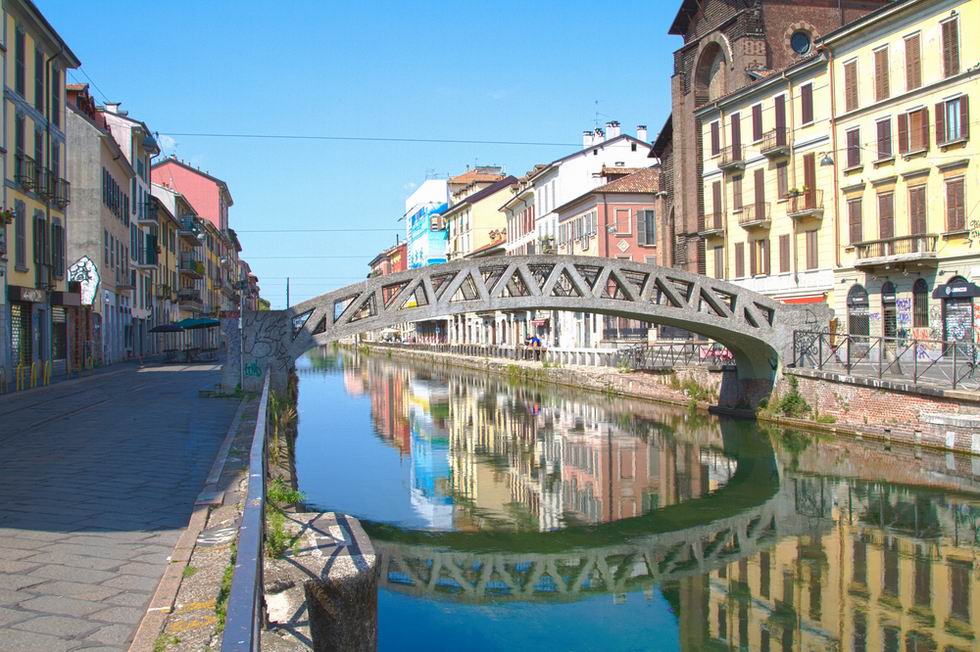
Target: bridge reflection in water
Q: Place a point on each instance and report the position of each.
(761, 541)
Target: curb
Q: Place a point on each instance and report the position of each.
(162, 602)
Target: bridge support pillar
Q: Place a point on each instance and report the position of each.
(744, 393)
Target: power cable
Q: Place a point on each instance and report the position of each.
(380, 139)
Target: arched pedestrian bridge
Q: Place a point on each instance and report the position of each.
(758, 330)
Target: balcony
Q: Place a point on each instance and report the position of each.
(714, 226)
(732, 158)
(189, 298)
(164, 292)
(45, 185)
(755, 216)
(807, 204)
(891, 251)
(62, 192)
(124, 281)
(191, 267)
(189, 230)
(145, 258)
(148, 215)
(27, 173)
(774, 144)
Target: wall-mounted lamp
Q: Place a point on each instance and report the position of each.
(825, 159)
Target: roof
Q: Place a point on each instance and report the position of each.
(604, 143)
(644, 181)
(73, 60)
(486, 192)
(476, 175)
(487, 248)
(817, 56)
(618, 171)
(683, 18)
(888, 7)
(664, 138)
(176, 161)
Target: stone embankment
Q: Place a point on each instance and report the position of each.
(945, 421)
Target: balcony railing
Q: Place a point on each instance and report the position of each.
(45, 186)
(732, 158)
(189, 295)
(189, 265)
(909, 247)
(807, 204)
(62, 192)
(775, 143)
(189, 230)
(755, 215)
(714, 225)
(146, 257)
(149, 212)
(26, 172)
(164, 292)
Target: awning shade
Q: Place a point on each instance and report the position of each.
(166, 328)
(192, 323)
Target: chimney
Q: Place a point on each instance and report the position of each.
(641, 133)
(586, 139)
(598, 136)
(612, 129)
(112, 107)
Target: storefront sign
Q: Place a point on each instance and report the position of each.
(957, 288)
(29, 295)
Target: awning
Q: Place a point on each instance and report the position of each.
(958, 288)
(540, 322)
(166, 328)
(815, 298)
(192, 323)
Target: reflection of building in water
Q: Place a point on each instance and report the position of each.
(898, 572)
(355, 379)
(430, 473)
(389, 405)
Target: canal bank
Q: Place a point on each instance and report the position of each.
(828, 403)
(513, 514)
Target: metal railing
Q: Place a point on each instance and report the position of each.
(732, 157)
(713, 223)
(754, 214)
(805, 203)
(62, 192)
(774, 141)
(245, 614)
(908, 244)
(937, 363)
(26, 171)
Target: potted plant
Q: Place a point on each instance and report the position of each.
(7, 216)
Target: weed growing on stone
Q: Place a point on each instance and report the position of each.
(163, 641)
(281, 495)
(221, 603)
(792, 404)
(190, 571)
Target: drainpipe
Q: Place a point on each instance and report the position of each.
(47, 201)
(833, 147)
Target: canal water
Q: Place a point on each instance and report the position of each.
(514, 517)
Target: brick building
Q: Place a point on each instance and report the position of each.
(727, 45)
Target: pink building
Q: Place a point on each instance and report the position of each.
(208, 195)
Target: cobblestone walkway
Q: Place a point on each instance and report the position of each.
(97, 480)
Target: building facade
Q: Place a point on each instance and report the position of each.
(38, 314)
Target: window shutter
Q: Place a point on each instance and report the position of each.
(737, 193)
(784, 253)
(757, 122)
(736, 133)
(917, 210)
(951, 48)
(955, 210)
(854, 219)
(765, 257)
(782, 179)
(739, 260)
(913, 74)
(925, 128)
(780, 106)
(810, 175)
(884, 139)
(885, 226)
(806, 103)
(903, 133)
(941, 123)
(715, 200)
(760, 192)
(965, 117)
(641, 227)
(881, 74)
(753, 262)
(850, 86)
(715, 139)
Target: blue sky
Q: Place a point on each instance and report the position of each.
(458, 70)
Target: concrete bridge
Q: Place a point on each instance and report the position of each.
(758, 330)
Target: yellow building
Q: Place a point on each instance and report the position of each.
(907, 169)
(475, 222)
(765, 183)
(40, 311)
(168, 261)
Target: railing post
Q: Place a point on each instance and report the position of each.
(881, 356)
(820, 351)
(915, 362)
(954, 363)
(849, 341)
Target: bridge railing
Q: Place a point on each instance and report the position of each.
(938, 363)
(245, 615)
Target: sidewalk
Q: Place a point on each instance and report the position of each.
(97, 481)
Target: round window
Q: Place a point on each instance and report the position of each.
(800, 42)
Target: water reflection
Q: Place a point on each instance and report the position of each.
(736, 538)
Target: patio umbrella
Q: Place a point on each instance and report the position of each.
(166, 328)
(191, 323)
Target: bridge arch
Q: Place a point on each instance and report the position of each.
(757, 329)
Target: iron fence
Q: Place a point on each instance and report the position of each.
(938, 363)
(245, 614)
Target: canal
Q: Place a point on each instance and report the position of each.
(513, 517)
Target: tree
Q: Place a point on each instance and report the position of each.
(264, 304)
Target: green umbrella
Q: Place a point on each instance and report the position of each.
(192, 323)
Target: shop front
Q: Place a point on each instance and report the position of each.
(956, 297)
(28, 332)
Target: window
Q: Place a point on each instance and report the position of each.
(853, 148)
(913, 62)
(715, 138)
(955, 205)
(736, 135)
(38, 146)
(855, 227)
(953, 120)
(782, 179)
(886, 215)
(20, 63)
(917, 210)
(39, 80)
(757, 123)
(739, 259)
(800, 41)
(850, 86)
(951, 47)
(811, 249)
(760, 192)
(623, 221)
(779, 107)
(881, 74)
(646, 227)
(105, 246)
(884, 129)
(719, 259)
(737, 193)
(920, 304)
(20, 234)
(759, 257)
(56, 96)
(913, 131)
(716, 203)
(806, 103)
(784, 253)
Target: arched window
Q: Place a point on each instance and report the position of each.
(857, 311)
(710, 73)
(920, 304)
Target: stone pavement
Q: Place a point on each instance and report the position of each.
(97, 480)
